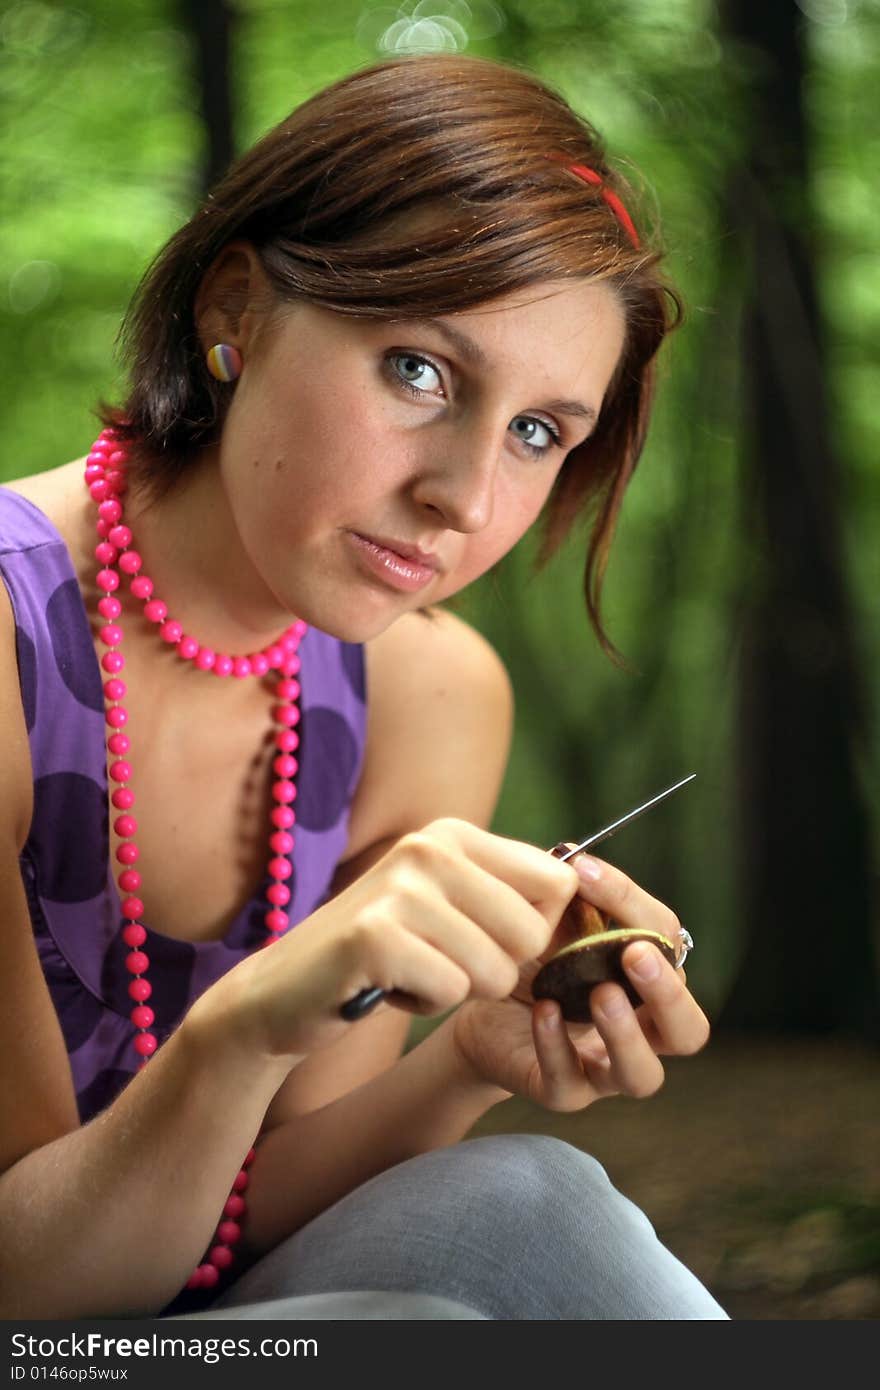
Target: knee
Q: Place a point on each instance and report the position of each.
(570, 1244)
(542, 1190)
(534, 1207)
(535, 1163)
(543, 1186)
(528, 1191)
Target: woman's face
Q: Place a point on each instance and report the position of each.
(372, 467)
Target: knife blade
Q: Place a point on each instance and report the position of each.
(599, 835)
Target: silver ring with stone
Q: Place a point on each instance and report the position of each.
(687, 945)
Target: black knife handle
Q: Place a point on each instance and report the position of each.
(362, 1004)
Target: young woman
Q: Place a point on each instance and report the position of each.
(413, 320)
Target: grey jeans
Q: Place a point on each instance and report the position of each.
(507, 1227)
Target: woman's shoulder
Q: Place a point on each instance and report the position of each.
(56, 491)
(435, 653)
(61, 497)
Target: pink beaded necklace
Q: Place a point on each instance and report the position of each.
(107, 484)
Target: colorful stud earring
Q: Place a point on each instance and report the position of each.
(224, 362)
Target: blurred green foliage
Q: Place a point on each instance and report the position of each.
(100, 148)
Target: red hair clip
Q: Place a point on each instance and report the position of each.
(616, 206)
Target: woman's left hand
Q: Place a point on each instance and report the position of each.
(526, 1048)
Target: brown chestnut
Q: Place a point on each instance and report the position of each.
(591, 957)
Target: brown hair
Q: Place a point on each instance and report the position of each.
(483, 148)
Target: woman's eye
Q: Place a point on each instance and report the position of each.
(416, 372)
(536, 436)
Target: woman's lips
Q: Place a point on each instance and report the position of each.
(407, 568)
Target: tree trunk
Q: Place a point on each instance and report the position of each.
(808, 964)
(210, 26)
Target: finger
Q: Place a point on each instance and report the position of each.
(414, 974)
(432, 864)
(491, 966)
(635, 1066)
(681, 1026)
(562, 1083)
(443, 891)
(519, 927)
(532, 873)
(581, 918)
(622, 899)
(598, 1070)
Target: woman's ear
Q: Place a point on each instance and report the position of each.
(232, 298)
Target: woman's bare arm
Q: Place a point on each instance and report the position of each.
(111, 1218)
(108, 1218)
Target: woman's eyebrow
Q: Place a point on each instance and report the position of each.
(464, 346)
(475, 357)
(577, 408)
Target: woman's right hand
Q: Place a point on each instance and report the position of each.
(450, 913)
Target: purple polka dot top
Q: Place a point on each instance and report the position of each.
(73, 899)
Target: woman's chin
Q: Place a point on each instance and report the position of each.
(366, 612)
(357, 624)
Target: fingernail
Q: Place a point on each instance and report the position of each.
(550, 1021)
(643, 962)
(590, 870)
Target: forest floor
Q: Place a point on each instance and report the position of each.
(758, 1163)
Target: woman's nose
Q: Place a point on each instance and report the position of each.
(459, 482)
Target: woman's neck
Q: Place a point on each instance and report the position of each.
(192, 551)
